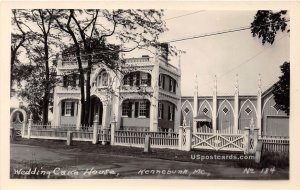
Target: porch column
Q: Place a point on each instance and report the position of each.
(153, 113)
(236, 107)
(154, 99)
(58, 113)
(116, 106)
(104, 116)
(78, 116)
(214, 110)
(55, 106)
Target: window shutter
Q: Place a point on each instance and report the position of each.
(170, 86)
(147, 108)
(138, 79)
(163, 81)
(130, 109)
(63, 108)
(136, 109)
(169, 111)
(74, 80)
(162, 110)
(174, 87)
(173, 112)
(131, 79)
(148, 79)
(72, 108)
(65, 78)
(77, 108)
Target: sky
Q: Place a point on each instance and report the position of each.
(224, 55)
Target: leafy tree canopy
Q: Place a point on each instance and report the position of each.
(281, 89)
(266, 24)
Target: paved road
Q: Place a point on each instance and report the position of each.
(72, 163)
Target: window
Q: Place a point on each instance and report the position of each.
(104, 79)
(144, 78)
(126, 109)
(171, 113)
(161, 81)
(70, 80)
(126, 80)
(67, 108)
(142, 109)
(160, 111)
(99, 80)
(172, 85)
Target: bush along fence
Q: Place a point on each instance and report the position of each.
(246, 141)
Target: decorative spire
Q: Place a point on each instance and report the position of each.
(215, 83)
(196, 85)
(259, 82)
(236, 83)
(179, 61)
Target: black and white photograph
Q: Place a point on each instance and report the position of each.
(149, 93)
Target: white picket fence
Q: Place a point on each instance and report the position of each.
(202, 139)
(137, 139)
(275, 143)
(48, 131)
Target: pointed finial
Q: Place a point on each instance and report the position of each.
(215, 82)
(184, 121)
(196, 83)
(259, 81)
(236, 81)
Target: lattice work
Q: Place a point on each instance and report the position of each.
(248, 110)
(225, 110)
(186, 110)
(205, 110)
(276, 107)
(217, 142)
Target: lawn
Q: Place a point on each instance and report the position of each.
(277, 160)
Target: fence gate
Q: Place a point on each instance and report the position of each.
(219, 141)
(18, 120)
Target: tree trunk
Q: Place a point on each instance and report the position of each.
(88, 115)
(47, 83)
(81, 83)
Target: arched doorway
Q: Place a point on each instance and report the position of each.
(96, 108)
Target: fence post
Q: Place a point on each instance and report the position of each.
(23, 129)
(246, 134)
(258, 151)
(251, 134)
(185, 138)
(69, 138)
(147, 144)
(12, 134)
(29, 126)
(112, 131)
(95, 129)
